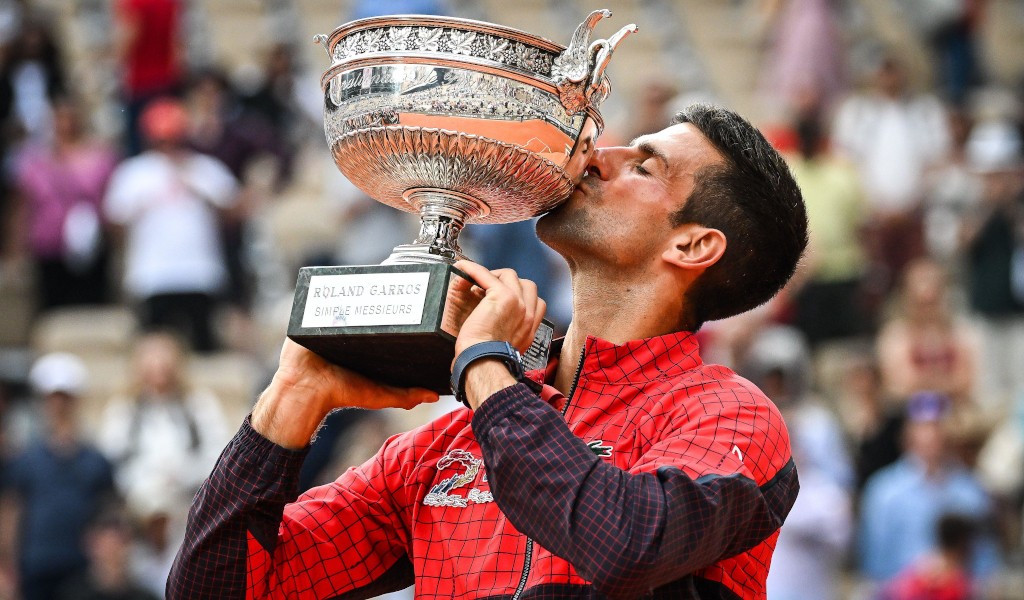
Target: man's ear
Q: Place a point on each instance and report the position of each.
(695, 247)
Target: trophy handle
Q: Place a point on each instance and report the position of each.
(322, 39)
(604, 54)
(578, 72)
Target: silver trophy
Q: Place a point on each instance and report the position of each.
(459, 121)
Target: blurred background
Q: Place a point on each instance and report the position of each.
(163, 175)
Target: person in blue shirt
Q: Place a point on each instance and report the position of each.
(903, 502)
(54, 487)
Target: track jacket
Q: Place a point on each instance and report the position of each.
(658, 477)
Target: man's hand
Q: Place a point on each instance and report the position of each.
(509, 311)
(306, 388)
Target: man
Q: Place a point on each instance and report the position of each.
(903, 503)
(169, 201)
(52, 490)
(635, 469)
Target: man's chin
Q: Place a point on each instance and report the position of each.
(548, 224)
(559, 227)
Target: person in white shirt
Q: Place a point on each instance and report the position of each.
(893, 137)
(169, 200)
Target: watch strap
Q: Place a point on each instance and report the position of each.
(501, 350)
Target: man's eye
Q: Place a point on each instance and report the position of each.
(640, 169)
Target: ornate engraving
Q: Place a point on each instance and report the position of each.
(398, 37)
(444, 40)
(437, 91)
(514, 183)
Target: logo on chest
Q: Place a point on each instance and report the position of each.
(469, 468)
(599, 448)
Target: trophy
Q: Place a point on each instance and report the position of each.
(460, 121)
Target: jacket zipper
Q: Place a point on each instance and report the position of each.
(529, 541)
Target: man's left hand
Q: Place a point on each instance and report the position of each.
(510, 311)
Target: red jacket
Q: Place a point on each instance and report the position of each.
(660, 475)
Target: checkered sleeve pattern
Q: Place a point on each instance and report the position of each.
(247, 539)
(687, 503)
(235, 515)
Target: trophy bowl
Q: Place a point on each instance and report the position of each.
(459, 121)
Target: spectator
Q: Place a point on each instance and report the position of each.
(287, 99)
(806, 52)
(873, 422)
(926, 346)
(31, 76)
(942, 574)
(56, 486)
(168, 199)
(953, 191)
(949, 28)
(148, 42)
(60, 185)
(369, 230)
(830, 303)
(994, 256)
(159, 536)
(999, 468)
(903, 502)
(812, 545)
(241, 139)
(108, 544)
(893, 137)
(654, 107)
(220, 126)
(166, 437)
(515, 246)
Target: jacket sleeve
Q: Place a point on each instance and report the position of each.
(687, 503)
(244, 539)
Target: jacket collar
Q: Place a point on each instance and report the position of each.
(635, 361)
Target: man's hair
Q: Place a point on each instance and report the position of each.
(753, 199)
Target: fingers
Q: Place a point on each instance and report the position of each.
(496, 280)
(406, 397)
(366, 393)
(483, 277)
(530, 305)
(512, 309)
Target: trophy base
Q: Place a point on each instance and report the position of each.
(394, 323)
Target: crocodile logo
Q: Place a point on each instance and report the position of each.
(599, 448)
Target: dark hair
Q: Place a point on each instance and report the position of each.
(955, 533)
(755, 202)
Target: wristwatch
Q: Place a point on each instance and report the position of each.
(501, 350)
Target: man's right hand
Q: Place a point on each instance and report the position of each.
(306, 388)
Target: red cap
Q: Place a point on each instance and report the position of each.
(164, 120)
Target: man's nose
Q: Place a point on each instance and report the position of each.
(602, 163)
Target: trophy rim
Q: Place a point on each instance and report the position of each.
(470, 24)
(466, 62)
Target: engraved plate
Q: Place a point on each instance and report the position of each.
(365, 299)
(536, 356)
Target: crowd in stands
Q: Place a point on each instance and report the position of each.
(896, 354)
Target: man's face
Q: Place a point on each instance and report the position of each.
(926, 440)
(620, 212)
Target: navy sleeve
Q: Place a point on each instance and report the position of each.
(246, 494)
(625, 532)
